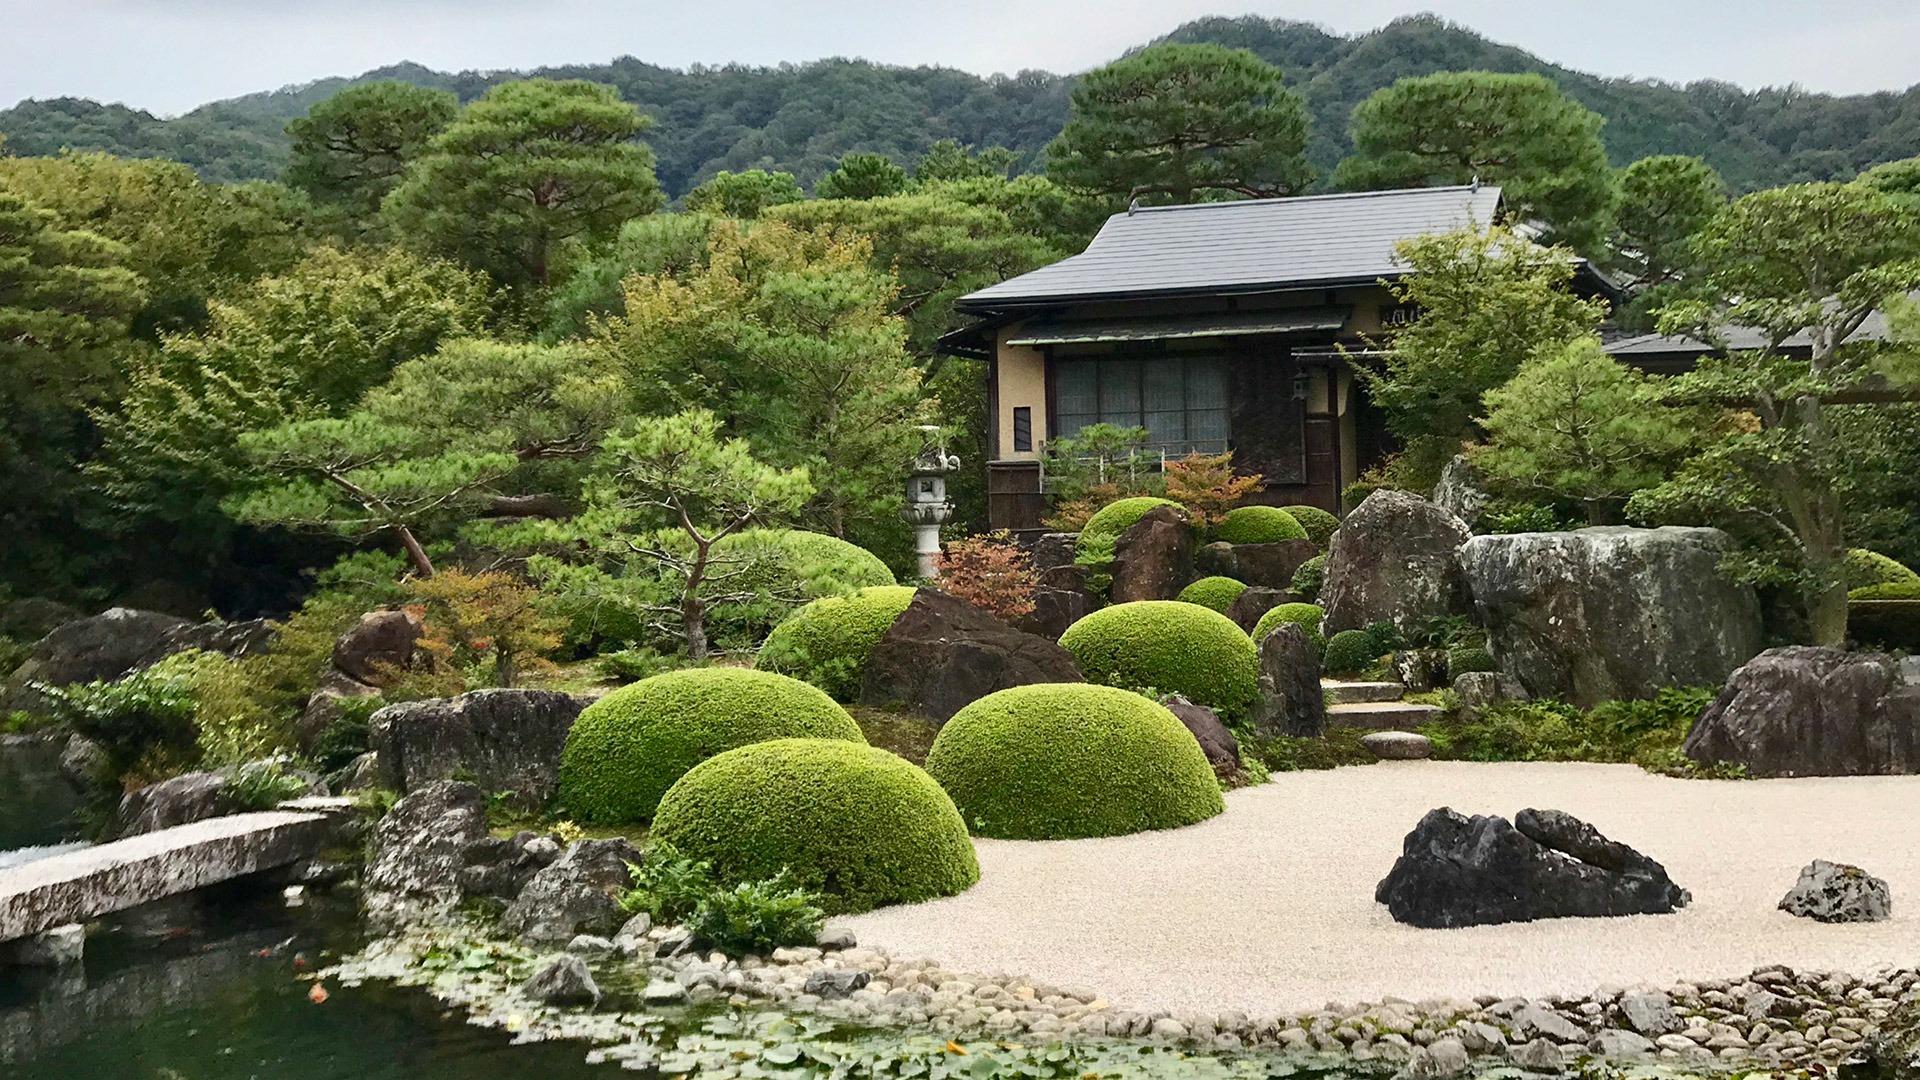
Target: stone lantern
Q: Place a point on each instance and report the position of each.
(927, 507)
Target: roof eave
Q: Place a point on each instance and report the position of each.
(975, 305)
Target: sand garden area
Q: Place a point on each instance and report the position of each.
(1268, 908)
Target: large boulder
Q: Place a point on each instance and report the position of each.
(1462, 490)
(1153, 559)
(1269, 565)
(1055, 609)
(1459, 871)
(1221, 748)
(504, 740)
(1291, 700)
(579, 893)
(942, 654)
(1611, 613)
(419, 852)
(499, 867)
(118, 642)
(34, 617)
(1053, 550)
(1393, 560)
(1838, 893)
(381, 643)
(182, 800)
(326, 706)
(1805, 711)
(1253, 602)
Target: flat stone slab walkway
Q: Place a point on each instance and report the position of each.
(1269, 907)
(86, 884)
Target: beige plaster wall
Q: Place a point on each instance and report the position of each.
(1022, 382)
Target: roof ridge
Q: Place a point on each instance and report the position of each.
(1329, 196)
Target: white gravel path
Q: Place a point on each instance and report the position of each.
(1269, 907)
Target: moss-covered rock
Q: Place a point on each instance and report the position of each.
(1308, 578)
(1065, 761)
(1305, 616)
(1350, 652)
(827, 642)
(1318, 523)
(1217, 593)
(1103, 529)
(862, 826)
(1170, 647)
(1258, 525)
(628, 748)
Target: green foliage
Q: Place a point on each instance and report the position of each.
(1173, 120)
(827, 642)
(1308, 579)
(789, 567)
(1646, 733)
(1866, 568)
(234, 721)
(854, 822)
(759, 916)
(1305, 616)
(1170, 647)
(667, 885)
(743, 194)
(1217, 593)
(352, 149)
(1463, 659)
(632, 665)
(1900, 178)
(525, 168)
(1889, 590)
(262, 785)
(1515, 130)
(1351, 652)
(145, 719)
(629, 747)
(1339, 747)
(349, 736)
(1069, 760)
(1664, 201)
(1318, 523)
(666, 245)
(862, 176)
(1103, 529)
(1258, 525)
(950, 159)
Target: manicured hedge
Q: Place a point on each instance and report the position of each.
(1318, 523)
(1103, 529)
(1464, 659)
(1866, 569)
(1309, 578)
(862, 826)
(828, 641)
(629, 747)
(1217, 593)
(1350, 651)
(1306, 616)
(1893, 590)
(1069, 760)
(1258, 525)
(1170, 647)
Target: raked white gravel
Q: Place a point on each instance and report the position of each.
(1269, 907)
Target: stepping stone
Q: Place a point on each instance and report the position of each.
(1340, 692)
(1398, 746)
(1381, 715)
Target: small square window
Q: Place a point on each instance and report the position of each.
(1022, 429)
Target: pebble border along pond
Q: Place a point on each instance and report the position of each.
(1773, 1018)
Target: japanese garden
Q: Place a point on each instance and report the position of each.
(1184, 570)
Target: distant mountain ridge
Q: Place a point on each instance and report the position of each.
(803, 117)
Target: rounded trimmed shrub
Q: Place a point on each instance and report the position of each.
(858, 824)
(1258, 525)
(816, 562)
(1309, 578)
(1305, 616)
(1868, 568)
(1892, 590)
(1170, 647)
(1318, 523)
(827, 642)
(1465, 659)
(1350, 651)
(1103, 529)
(629, 747)
(1068, 760)
(1217, 593)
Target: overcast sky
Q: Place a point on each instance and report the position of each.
(170, 55)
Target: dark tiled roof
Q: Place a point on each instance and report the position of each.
(1738, 338)
(1246, 246)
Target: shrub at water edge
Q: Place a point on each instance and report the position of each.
(1305, 616)
(629, 747)
(1318, 523)
(859, 825)
(1062, 761)
(1170, 647)
(828, 641)
(1216, 593)
(1258, 525)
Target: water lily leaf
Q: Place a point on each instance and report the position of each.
(784, 1054)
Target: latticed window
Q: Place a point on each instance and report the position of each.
(1181, 401)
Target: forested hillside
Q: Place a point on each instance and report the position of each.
(802, 118)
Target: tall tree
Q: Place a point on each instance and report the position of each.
(1518, 131)
(1174, 120)
(351, 150)
(951, 159)
(1809, 262)
(1664, 202)
(524, 169)
(744, 194)
(669, 244)
(862, 176)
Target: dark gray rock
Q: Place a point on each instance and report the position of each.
(1056, 609)
(1054, 550)
(1615, 1043)
(505, 740)
(1420, 670)
(942, 654)
(1460, 871)
(1253, 602)
(1893, 1053)
(231, 639)
(1540, 1020)
(1804, 711)
(1398, 745)
(1266, 565)
(1393, 560)
(564, 980)
(180, 801)
(379, 645)
(500, 867)
(1838, 893)
(324, 706)
(361, 774)
(34, 617)
(836, 982)
(1480, 690)
(419, 851)
(1462, 490)
(105, 647)
(1291, 700)
(1540, 1056)
(1611, 613)
(578, 894)
(1651, 1013)
(1153, 559)
(1221, 748)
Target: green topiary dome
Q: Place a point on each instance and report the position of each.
(1103, 529)
(1258, 525)
(1307, 580)
(1170, 647)
(827, 642)
(862, 826)
(1868, 568)
(1349, 652)
(1069, 760)
(790, 564)
(1306, 616)
(629, 747)
(1318, 523)
(1217, 593)
(1466, 659)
